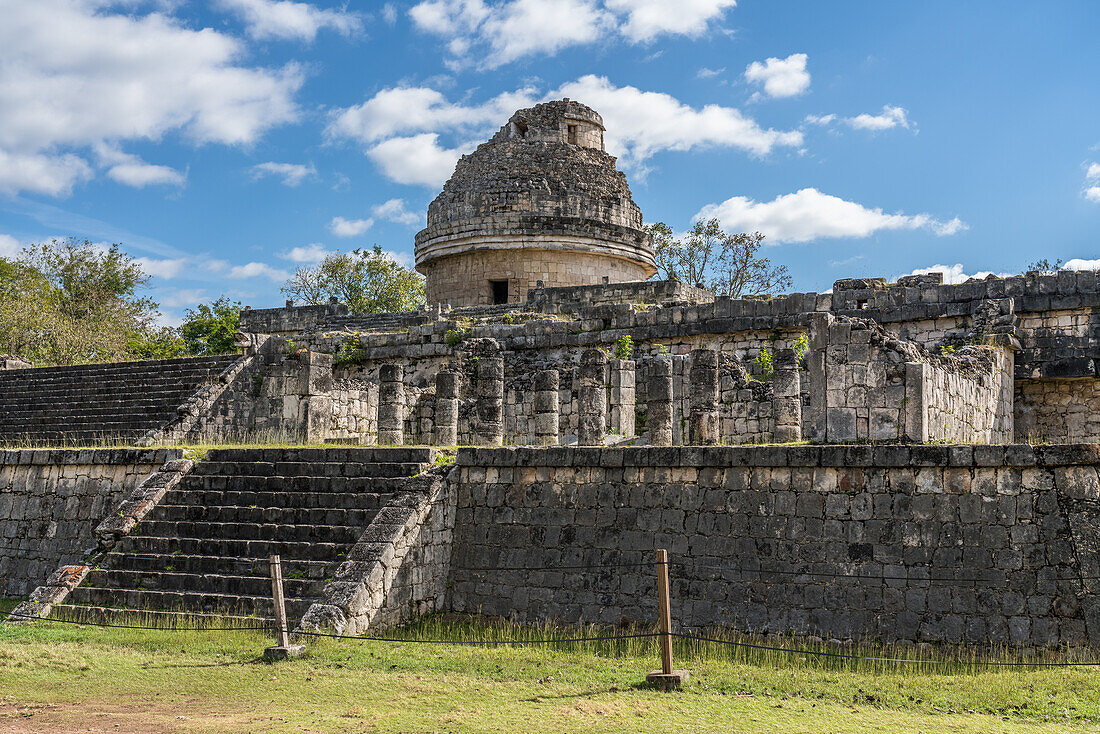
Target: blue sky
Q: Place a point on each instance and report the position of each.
(226, 142)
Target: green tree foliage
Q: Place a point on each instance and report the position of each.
(709, 257)
(209, 329)
(68, 302)
(368, 281)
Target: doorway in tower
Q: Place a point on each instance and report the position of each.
(498, 291)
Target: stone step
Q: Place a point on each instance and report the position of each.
(154, 618)
(239, 605)
(365, 501)
(320, 470)
(265, 514)
(221, 565)
(285, 533)
(167, 579)
(317, 485)
(350, 454)
(312, 551)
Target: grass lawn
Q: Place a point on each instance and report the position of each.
(66, 678)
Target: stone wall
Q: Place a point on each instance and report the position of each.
(52, 500)
(926, 543)
(1057, 410)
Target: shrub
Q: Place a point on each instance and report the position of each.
(625, 347)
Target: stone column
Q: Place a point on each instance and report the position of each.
(622, 398)
(547, 408)
(368, 420)
(787, 398)
(915, 410)
(591, 398)
(391, 405)
(659, 406)
(490, 401)
(816, 419)
(703, 423)
(315, 380)
(445, 430)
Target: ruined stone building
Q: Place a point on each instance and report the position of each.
(850, 455)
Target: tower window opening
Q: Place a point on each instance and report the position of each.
(498, 289)
(573, 134)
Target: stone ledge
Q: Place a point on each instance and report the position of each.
(68, 457)
(882, 456)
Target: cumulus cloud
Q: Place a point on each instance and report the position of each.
(349, 227)
(314, 252)
(182, 298)
(9, 246)
(1093, 172)
(74, 74)
(1092, 193)
(285, 20)
(955, 274)
(133, 171)
(166, 269)
(707, 73)
(780, 77)
(292, 174)
(257, 270)
(1079, 264)
(394, 211)
(400, 128)
(890, 117)
(492, 34)
(808, 215)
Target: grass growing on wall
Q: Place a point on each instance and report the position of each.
(67, 678)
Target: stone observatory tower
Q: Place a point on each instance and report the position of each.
(540, 201)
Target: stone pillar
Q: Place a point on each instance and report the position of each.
(490, 401)
(547, 408)
(659, 406)
(703, 423)
(445, 430)
(368, 421)
(315, 380)
(591, 398)
(622, 398)
(391, 405)
(816, 420)
(786, 398)
(915, 411)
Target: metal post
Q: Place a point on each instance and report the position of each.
(283, 649)
(665, 678)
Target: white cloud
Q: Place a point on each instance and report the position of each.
(74, 74)
(640, 124)
(492, 34)
(401, 127)
(282, 19)
(808, 215)
(1079, 264)
(349, 227)
(133, 171)
(890, 117)
(1093, 172)
(257, 270)
(1093, 193)
(780, 77)
(166, 269)
(705, 73)
(292, 174)
(53, 174)
(955, 274)
(389, 13)
(647, 19)
(418, 159)
(312, 253)
(183, 298)
(394, 211)
(9, 246)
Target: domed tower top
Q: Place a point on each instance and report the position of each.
(539, 201)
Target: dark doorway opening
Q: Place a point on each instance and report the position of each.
(499, 290)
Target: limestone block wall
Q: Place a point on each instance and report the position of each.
(463, 280)
(1057, 410)
(354, 410)
(971, 406)
(972, 544)
(51, 501)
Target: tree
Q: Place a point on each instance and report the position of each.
(709, 257)
(210, 329)
(368, 281)
(67, 302)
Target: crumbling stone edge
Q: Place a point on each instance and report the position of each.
(363, 593)
(118, 525)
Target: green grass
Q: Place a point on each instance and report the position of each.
(63, 678)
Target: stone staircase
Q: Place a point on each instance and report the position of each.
(94, 403)
(203, 551)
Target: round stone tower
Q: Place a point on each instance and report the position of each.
(540, 201)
